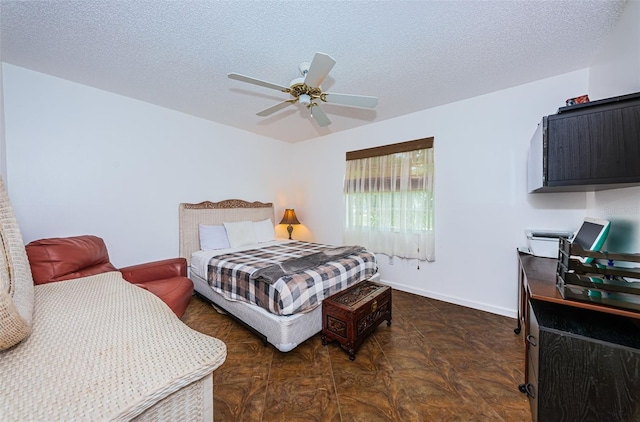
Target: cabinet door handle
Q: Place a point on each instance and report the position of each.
(529, 390)
(531, 340)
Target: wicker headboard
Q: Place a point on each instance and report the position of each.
(216, 213)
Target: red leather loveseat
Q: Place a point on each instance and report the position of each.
(57, 259)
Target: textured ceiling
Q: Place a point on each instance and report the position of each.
(412, 55)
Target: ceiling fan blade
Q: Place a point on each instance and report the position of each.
(277, 107)
(351, 100)
(320, 67)
(318, 114)
(255, 81)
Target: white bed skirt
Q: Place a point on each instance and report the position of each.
(283, 332)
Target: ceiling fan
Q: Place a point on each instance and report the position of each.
(306, 90)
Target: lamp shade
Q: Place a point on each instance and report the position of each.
(289, 217)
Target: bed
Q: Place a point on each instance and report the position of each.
(280, 314)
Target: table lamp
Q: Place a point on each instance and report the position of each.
(289, 218)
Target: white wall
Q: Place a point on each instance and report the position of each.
(3, 144)
(3, 152)
(482, 207)
(81, 160)
(85, 161)
(616, 71)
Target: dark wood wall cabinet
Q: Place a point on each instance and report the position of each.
(587, 147)
(582, 359)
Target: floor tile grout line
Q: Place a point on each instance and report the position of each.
(266, 387)
(333, 380)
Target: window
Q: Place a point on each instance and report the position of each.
(388, 196)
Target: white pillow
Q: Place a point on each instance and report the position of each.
(213, 237)
(241, 233)
(264, 231)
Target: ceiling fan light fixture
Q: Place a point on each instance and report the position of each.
(306, 90)
(304, 99)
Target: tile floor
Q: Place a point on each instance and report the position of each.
(436, 362)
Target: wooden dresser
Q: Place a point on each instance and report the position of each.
(349, 316)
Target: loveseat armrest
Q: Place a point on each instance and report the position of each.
(157, 270)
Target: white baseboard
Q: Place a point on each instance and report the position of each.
(511, 313)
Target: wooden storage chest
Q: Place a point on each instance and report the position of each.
(349, 316)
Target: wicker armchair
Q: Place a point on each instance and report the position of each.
(95, 348)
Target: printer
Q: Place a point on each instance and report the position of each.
(545, 243)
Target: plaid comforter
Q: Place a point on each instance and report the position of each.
(230, 274)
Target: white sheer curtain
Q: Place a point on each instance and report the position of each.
(389, 204)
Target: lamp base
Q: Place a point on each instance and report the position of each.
(290, 230)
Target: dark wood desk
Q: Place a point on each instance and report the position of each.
(569, 344)
(537, 280)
